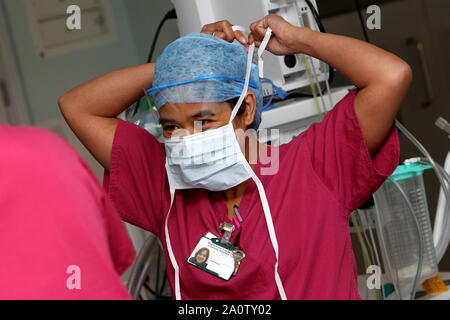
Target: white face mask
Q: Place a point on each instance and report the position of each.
(190, 164)
(209, 160)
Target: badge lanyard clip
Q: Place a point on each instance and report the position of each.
(228, 230)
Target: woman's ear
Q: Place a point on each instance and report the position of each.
(248, 117)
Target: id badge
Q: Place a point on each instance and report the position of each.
(212, 256)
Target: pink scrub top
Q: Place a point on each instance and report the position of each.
(60, 235)
(324, 174)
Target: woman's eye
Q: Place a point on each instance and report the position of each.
(170, 127)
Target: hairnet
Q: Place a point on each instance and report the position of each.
(202, 68)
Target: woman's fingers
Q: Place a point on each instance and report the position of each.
(208, 28)
(220, 35)
(257, 30)
(240, 37)
(224, 30)
(260, 27)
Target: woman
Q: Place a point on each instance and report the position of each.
(294, 224)
(201, 258)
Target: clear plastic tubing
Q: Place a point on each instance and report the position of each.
(420, 262)
(439, 226)
(442, 243)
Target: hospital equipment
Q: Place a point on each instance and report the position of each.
(292, 114)
(441, 219)
(149, 266)
(443, 237)
(287, 108)
(404, 229)
(287, 72)
(443, 124)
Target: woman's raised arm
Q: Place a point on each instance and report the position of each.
(382, 77)
(91, 108)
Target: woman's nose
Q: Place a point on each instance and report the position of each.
(183, 132)
(190, 129)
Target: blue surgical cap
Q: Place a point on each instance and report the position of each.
(202, 68)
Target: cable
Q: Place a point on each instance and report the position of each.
(443, 124)
(444, 173)
(322, 29)
(157, 271)
(157, 292)
(441, 227)
(275, 89)
(316, 79)
(330, 98)
(313, 88)
(377, 257)
(363, 224)
(139, 270)
(367, 261)
(172, 14)
(157, 296)
(316, 16)
(163, 284)
(361, 20)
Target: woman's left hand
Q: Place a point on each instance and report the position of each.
(224, 30)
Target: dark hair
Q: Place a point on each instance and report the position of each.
(203, 249)
(233, 102)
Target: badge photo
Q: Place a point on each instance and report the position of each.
(213, 259)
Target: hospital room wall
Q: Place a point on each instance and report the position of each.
(44, 80)
(145, 17)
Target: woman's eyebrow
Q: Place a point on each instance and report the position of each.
(203, 113)
(164, 120)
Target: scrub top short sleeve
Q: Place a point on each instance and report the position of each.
(341, 159)
(137, 177)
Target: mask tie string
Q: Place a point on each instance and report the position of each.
(251, 49)
(261, 50)
(169, 249)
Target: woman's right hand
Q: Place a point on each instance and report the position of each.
(285, 36)
(224, 30)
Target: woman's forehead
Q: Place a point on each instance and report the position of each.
(180, 112)
(192, 108)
